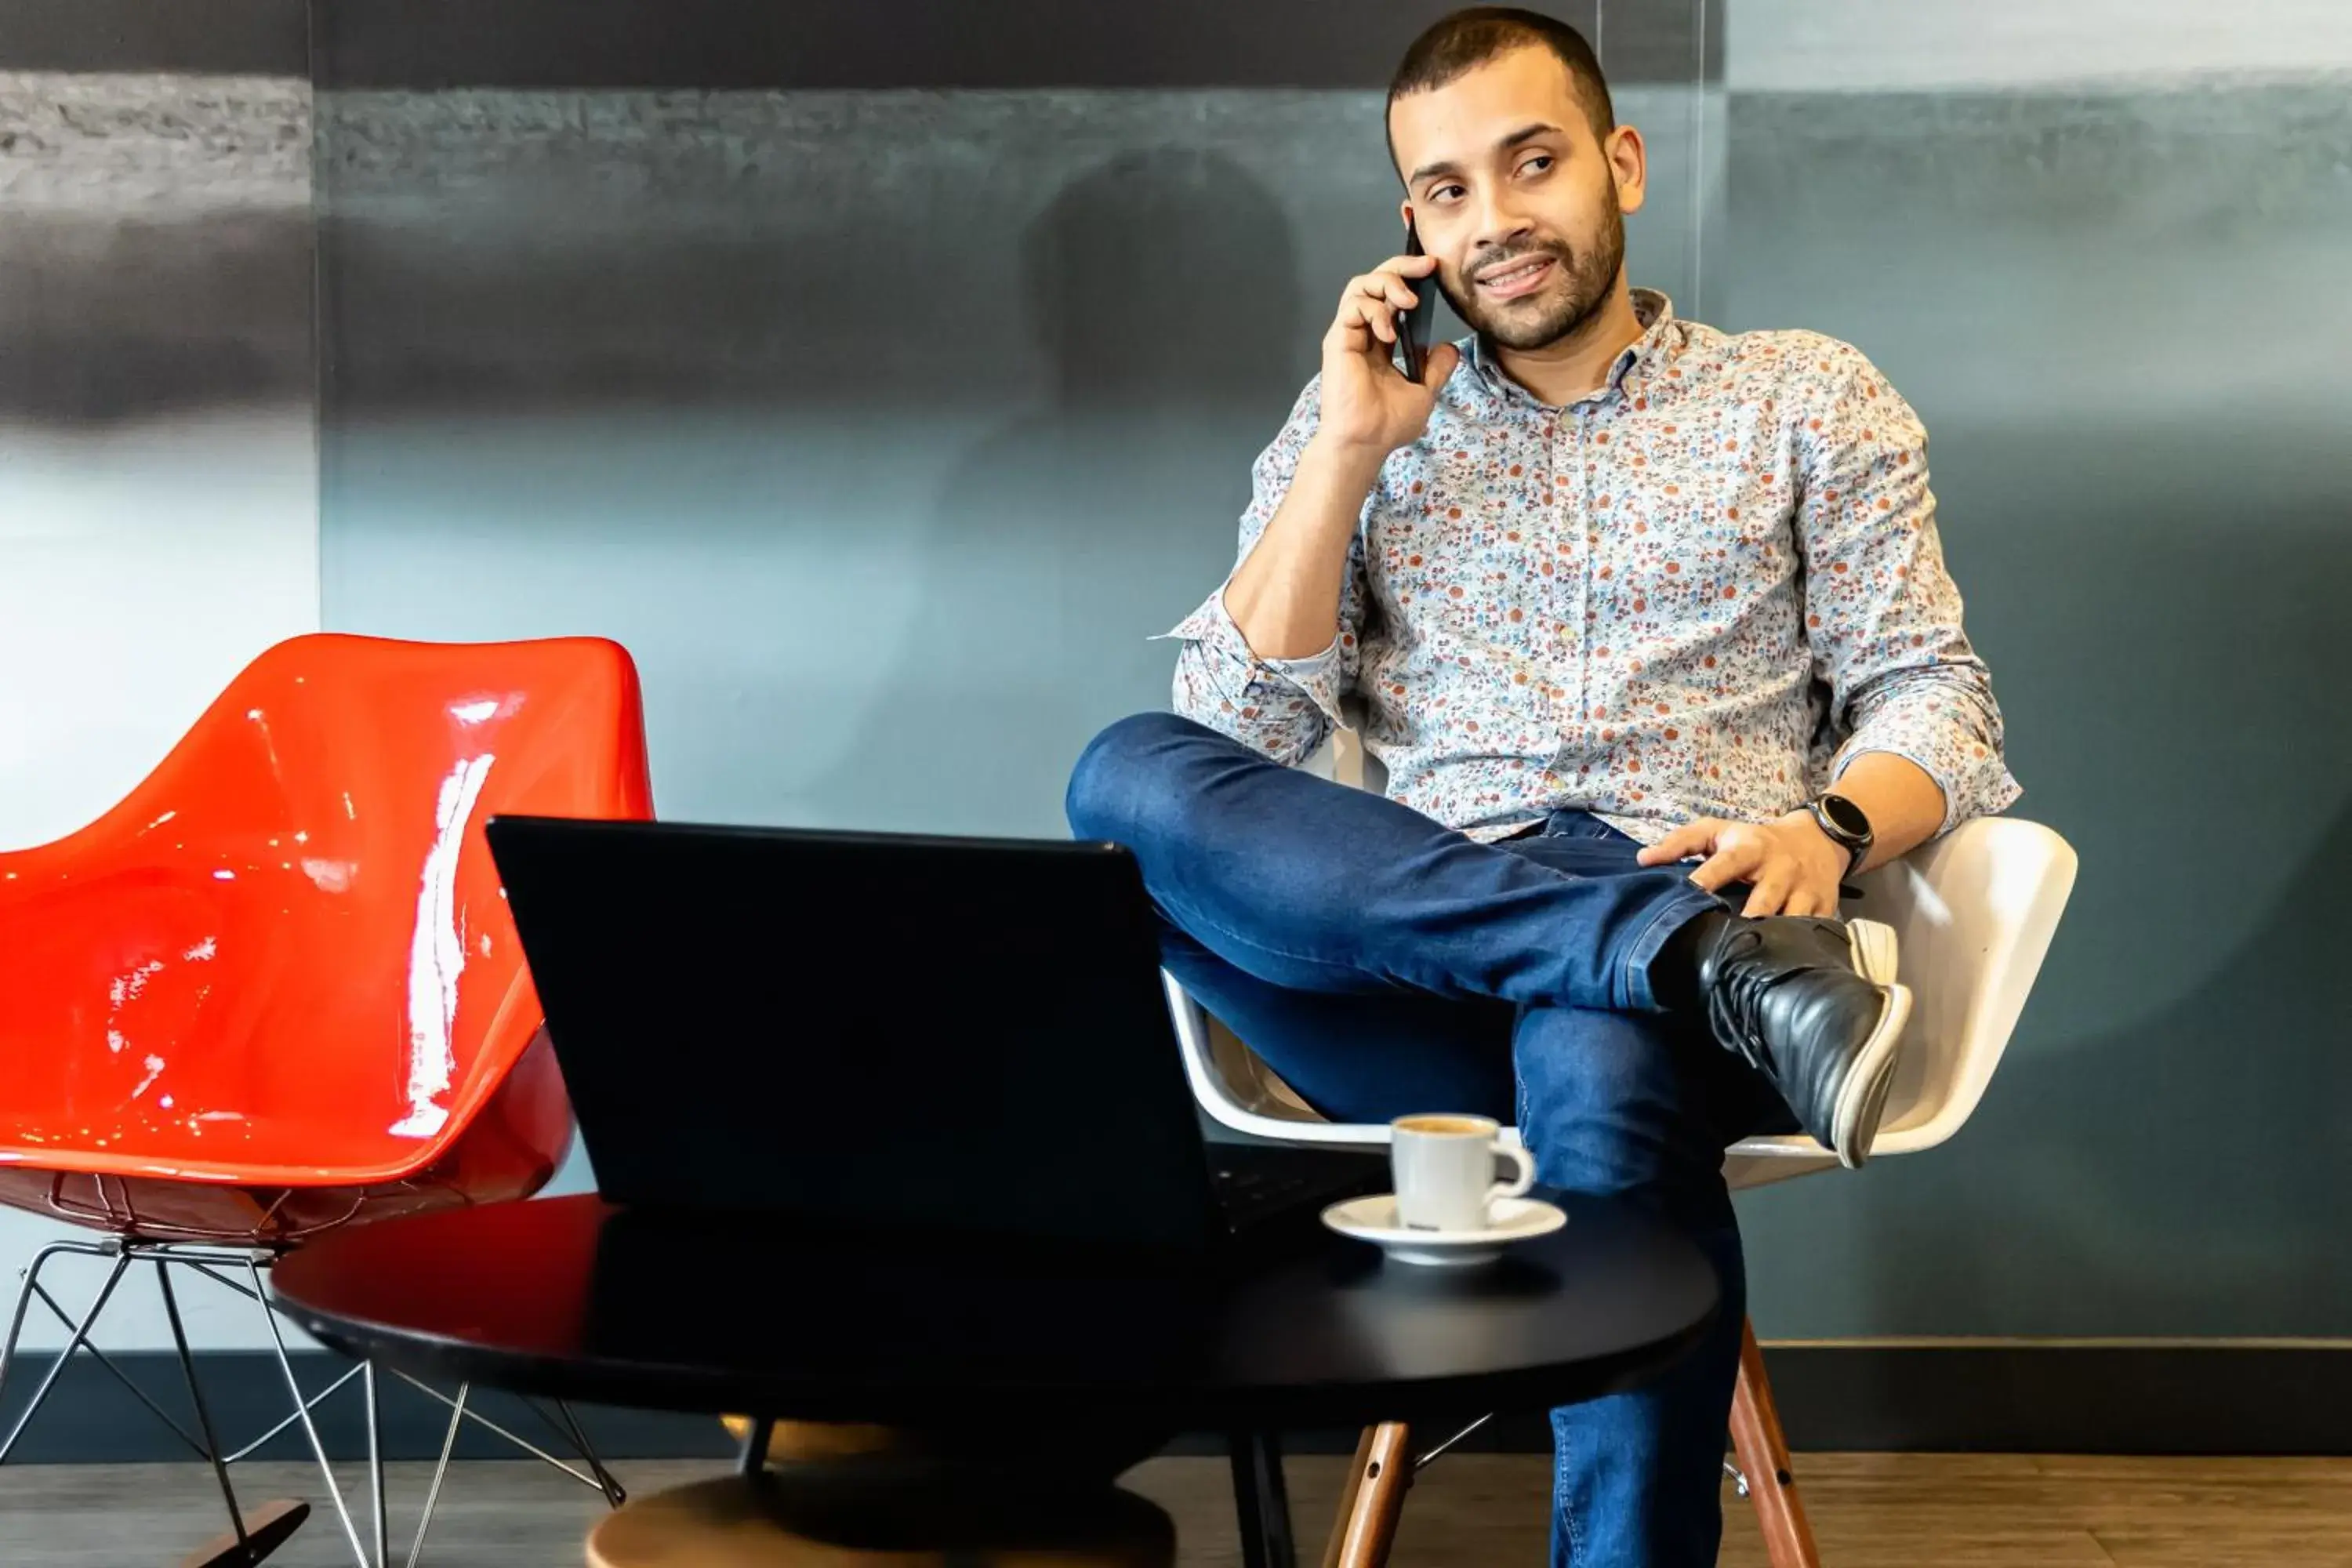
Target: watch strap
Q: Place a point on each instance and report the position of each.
(1857, 849)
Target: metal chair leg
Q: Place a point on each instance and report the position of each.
(460, 1413)
(1429, 1456)
(478, 1419)
(57, 1367)
(31, 1274)
(197, 1398)
(303, 1409)
(614, 1495)
(1764, 1463)
(254, 1445)
(440, 1472)
(256, 1531)
(253, 1533)
(376, 1468)
(123, 1379)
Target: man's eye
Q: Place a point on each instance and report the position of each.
(1445, 192)
(1536, 165)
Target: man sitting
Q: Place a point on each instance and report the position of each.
(1611, 591)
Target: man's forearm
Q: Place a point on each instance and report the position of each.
(1286, 598)
(1905, 806)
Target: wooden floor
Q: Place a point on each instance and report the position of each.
(1470, 1511)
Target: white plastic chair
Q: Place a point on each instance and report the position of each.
(1974, 911)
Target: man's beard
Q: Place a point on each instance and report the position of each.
(1555, 313)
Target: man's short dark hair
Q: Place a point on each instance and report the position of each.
(1457, 45)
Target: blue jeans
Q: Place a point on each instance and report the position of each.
(1384, 964)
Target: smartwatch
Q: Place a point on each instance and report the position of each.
(1846, 826)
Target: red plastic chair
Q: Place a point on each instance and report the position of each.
(277, 991)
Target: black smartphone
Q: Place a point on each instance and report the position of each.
(1412, 326)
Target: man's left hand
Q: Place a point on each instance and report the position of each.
(1792, 867)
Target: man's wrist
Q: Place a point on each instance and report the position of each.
(1819, 845)
(1353, 464)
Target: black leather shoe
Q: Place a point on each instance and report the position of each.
(1812, 1005)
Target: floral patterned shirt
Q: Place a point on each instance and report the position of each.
(1700, 590)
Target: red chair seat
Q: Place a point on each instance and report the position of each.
(277, 989)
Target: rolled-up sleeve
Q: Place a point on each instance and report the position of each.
(1281, 708)
(1881, 614)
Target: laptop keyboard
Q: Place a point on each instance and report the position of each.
(1250, 1194)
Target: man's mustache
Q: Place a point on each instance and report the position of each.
(1487, 261)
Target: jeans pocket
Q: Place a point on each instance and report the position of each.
(1579, 825)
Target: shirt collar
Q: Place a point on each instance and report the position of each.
(1629, 374)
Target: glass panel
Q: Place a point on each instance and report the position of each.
(2104, 252)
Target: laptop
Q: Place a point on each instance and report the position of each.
(884, 1032)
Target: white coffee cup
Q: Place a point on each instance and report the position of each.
(1444, 1169)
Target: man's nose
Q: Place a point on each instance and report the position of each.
(1500, 225)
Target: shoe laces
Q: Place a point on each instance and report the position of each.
(1735, 1001)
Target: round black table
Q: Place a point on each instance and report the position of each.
(572, 1298)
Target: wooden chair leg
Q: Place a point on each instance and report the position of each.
(1373, 1499)
(1764, 1460)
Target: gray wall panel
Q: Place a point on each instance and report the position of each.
(2120, 313)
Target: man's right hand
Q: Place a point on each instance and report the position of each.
(1287, 594)
(1368, 407)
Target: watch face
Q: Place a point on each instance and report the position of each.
(1847, 816)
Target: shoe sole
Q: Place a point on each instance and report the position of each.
(1873, 948)
(1862, 1099)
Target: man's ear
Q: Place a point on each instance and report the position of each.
(1629, 167)
(1405, 211)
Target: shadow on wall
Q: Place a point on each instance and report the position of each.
(1162, 286)
(104, 321)
(1162, 278)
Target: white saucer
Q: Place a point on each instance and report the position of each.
(1374, 1219)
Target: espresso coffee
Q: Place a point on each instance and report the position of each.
(1456, 1126)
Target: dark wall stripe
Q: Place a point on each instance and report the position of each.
(2059, 1400)
(206, 38)
(2066, 1400)
(851, 43)
(803, 44)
